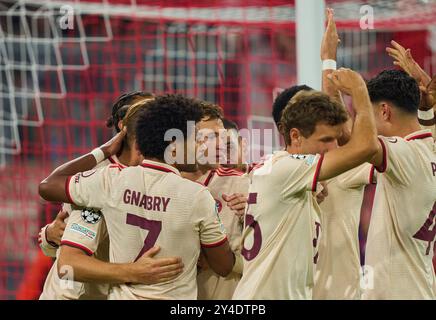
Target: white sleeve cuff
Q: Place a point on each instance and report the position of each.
(426, 115)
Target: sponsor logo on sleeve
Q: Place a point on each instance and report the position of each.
(83, 231)
(392, 140)
(90, 215)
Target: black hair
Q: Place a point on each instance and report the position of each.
(396, 87)
(282, 100)
(170, 111)
(120, 107)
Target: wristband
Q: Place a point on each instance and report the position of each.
(44, 240)
(328, 64)
(98, 155)
(426, 115)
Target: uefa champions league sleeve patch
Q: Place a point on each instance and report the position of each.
(90, 215)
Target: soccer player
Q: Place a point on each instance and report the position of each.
(281, 221)
(278, 106)
(96, 236)
(401, 235)
(338, 269)
(148, 205)
(229, 188)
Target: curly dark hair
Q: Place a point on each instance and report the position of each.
(211, 111)
(282, 100)
(309, 108)
(120, 107)
(396, 87)
(170, 111)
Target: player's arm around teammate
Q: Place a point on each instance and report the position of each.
(49, 237)
(89, 269)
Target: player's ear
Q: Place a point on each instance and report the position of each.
(120, 125)
(386, 111)
(295, 136)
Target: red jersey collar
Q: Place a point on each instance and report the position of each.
(160, 166)
(421, 134)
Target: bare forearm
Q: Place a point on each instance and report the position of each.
(80, 164)
(89, 269)
(329, 89)
(52, 188)
(335, 94)
(425, 78)
(364, 130)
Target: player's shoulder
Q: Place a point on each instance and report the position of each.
(228, 172)
(188, 186)
(417, 142)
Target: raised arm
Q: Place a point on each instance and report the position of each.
(329, 46)
(363, 145)
(52, 188)
(403, 58)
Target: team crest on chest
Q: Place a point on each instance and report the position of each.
(90, 215)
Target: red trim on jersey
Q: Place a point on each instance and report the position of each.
(117, 166)
(76, 245)
(67, 189)
(420, 136)
(318, 169)
(371, 175)
(255, 166)
(122, 166)
(385, 157)
(213, 245)
(228, 172)
(152, 166)
(209, 177)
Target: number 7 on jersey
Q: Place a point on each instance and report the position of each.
(154, 228)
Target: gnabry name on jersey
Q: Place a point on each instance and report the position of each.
(154, 203)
